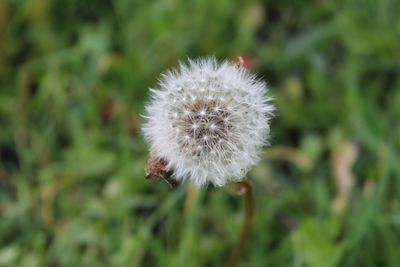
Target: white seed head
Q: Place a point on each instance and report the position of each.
(218, 135)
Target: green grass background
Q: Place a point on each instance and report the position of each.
(74, 78)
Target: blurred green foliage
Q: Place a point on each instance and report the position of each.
(74, 77)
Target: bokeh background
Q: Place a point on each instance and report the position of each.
(74, 78)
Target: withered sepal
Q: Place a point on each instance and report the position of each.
(157, 169)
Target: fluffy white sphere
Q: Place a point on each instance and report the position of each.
(208, 121)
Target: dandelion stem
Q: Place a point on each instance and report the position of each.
(246, 191)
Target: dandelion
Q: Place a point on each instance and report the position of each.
(208, 121)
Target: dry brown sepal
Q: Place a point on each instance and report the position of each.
(156, 168)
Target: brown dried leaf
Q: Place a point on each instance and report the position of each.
(342, 160)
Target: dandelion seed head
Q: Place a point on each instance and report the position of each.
(219, 133)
